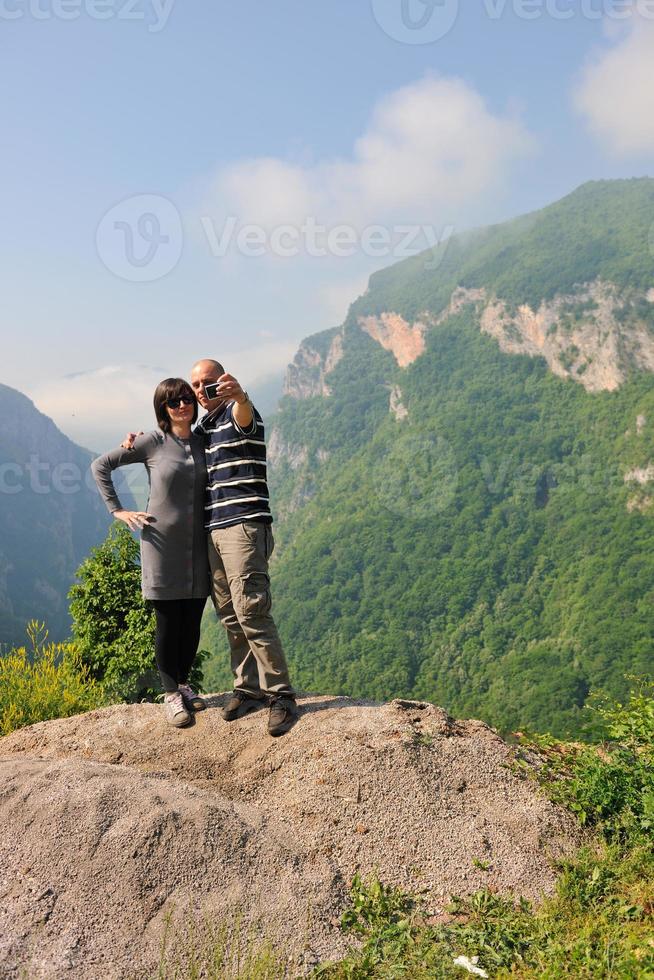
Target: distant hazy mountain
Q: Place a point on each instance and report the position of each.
(50, 517)
(463, 472)
(266, 394)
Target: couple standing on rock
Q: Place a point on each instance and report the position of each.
(207, 530)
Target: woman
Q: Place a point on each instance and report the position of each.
(174, 563)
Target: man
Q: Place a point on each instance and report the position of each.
(240, 545)
(240, 542)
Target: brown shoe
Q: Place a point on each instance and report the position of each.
(283, 714)
(238, 704)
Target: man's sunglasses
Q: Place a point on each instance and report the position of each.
(176, 402)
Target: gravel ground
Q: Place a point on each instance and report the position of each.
(112, 822)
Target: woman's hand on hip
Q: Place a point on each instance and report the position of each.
(136, 520)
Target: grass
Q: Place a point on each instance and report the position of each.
(223, 951)
(598, 924)
(43, 680)
(600, 921)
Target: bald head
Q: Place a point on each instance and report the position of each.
(207, 364)
(206, 371)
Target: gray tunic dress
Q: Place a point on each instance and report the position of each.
(174, 560)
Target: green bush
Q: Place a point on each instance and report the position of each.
(597, 925)
(43, 681)
(113, 625)
(610, 785)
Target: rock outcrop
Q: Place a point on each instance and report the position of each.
(596, 335)
(405, 341)
(306, 376)
(593, 336)
(113, 822)
(396, 405)
(460, 298)
(280, 450)
(640, 474)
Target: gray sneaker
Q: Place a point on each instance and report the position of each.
(176, 713)
(192, 700)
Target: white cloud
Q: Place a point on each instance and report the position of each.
(616, 90)
(97, 408)
(430, 147)
(432, 154)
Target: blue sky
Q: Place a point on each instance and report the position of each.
(270, 113)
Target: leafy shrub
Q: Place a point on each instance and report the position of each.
(43, 681)
(610, 785)
(374, 904)
(113, 625)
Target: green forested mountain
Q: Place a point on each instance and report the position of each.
(471, 528)
(603, 229)
(50, 517)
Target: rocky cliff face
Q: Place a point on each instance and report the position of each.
(596, 336)
(305, 377)
(405, 341)
(280, 450)
(396, 404)
(303, 462)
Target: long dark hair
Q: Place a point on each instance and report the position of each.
(171, 388)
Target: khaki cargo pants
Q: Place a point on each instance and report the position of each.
(239, 556)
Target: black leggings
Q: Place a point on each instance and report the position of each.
(176, 639)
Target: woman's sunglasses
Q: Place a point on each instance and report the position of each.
(176, 402)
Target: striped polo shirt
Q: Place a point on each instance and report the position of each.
(237, 490)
